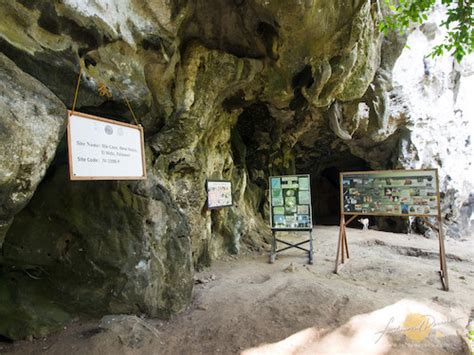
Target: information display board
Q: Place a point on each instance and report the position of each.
(290, 199)
(390, 192)
(103, 149)
(219, 193)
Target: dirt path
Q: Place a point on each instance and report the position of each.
(388, 298)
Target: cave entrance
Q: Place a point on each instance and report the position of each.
(325, 188)
(325, 196)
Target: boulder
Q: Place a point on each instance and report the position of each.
(32, 122)
(100, 247)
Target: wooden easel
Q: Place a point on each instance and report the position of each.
(343, 250)
(443, 272)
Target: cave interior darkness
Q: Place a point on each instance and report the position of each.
(325, 186)
(256, 132)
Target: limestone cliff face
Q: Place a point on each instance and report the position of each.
(434, 96)
(235, 89)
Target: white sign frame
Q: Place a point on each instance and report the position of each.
(75, 175)
(220, 182)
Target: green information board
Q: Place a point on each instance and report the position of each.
(290, 202)
(390, 192)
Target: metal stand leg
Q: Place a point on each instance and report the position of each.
(289, 245)
(273, 251)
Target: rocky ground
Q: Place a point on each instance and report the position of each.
(377, 304)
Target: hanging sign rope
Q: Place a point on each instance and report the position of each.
(77, 88)
(104, 149)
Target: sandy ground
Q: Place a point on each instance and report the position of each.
(387, 299)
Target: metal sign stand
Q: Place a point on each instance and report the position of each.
(300, 187)
(274, 251)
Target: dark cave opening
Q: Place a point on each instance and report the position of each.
(325, 192)
(325, 196)
(325, 186)
(252, 140)
(257, 147)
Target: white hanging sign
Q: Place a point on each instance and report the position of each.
(103, 149)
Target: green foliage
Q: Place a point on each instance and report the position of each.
(459, 20)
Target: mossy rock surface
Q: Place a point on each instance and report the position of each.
(101, 247)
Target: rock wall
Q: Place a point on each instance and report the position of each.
(434, 96)
(31, 126)
(93, 248)
(236, 89)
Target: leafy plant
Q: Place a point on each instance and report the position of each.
(459, 20)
